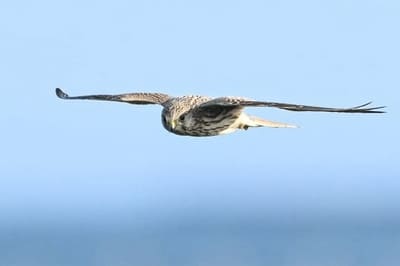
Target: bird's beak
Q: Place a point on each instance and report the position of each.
(173, 124)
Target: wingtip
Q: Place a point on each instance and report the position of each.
(369, 109)
(380, 111)
(60, 94)
(363, 105)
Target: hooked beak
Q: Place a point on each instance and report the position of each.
(172, 124)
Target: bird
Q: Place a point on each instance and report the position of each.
(201, 116)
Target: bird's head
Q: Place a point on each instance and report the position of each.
(174, 119)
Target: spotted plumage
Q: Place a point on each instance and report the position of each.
(204, 116)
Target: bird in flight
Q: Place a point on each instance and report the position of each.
(201, 116)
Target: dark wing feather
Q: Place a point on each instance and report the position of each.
(236, 101)
(213, 110)
(133, 98)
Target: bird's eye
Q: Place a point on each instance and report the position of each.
(164, 120)
(181, 118)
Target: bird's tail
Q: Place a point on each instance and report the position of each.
(259, 122)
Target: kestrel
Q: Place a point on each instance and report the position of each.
(203, 116)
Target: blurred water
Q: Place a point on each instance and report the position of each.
(200, 242)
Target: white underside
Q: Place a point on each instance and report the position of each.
(250, 121)
(228, 130)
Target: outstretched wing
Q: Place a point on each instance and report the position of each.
(229, 102)
(133, 98)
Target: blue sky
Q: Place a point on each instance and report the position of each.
(78, 160)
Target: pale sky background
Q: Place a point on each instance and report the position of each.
(87, 161)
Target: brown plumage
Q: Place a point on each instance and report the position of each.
(203, 116)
